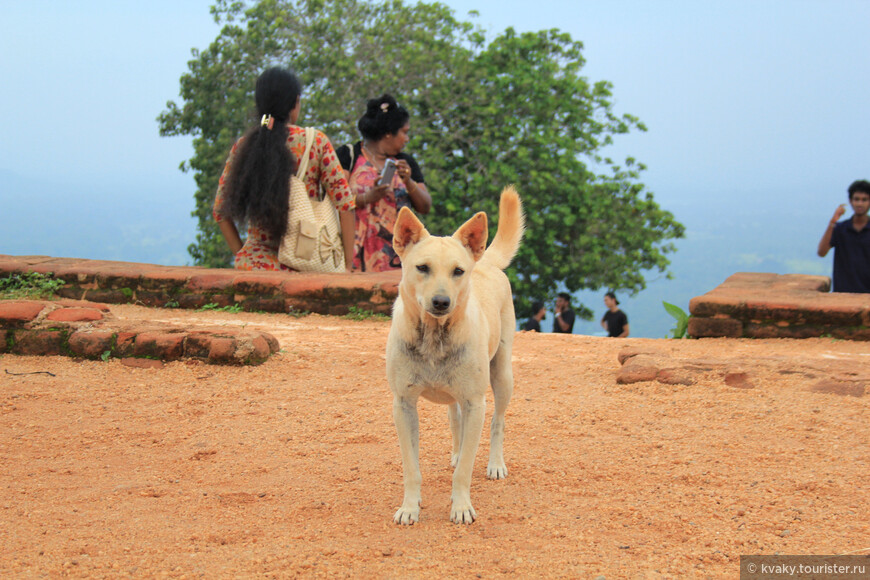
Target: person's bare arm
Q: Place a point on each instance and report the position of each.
(825, 242)
(347, 221)
(231, 235)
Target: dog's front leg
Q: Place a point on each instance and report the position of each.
(453, 415)
(408, 427)
(471, 419)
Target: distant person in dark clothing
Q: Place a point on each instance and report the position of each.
(564, 321)
(851, 242)
(538, 314)
(615, 322)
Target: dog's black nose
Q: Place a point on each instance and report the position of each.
(440, 303)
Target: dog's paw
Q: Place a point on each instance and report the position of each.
(407, 516)
(494, 471)
(462, 513)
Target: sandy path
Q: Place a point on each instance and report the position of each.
(293, 467)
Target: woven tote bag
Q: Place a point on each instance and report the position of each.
(313, 239)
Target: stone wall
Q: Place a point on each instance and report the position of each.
(759, 305)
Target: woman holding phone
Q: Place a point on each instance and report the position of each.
(383, 179)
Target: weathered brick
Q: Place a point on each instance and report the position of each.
(161, 345)
(109, 296)
(274, 345)
(212, 282)
(715, 327)
(638, 369)
(221, 350)
(39, 342)
(91, 343)
(74, 315)
(258, 304)
(18, 313)
(125, 343)
(265, 283)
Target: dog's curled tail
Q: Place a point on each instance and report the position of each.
(511, 224)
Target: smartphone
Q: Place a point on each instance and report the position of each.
(388, 172)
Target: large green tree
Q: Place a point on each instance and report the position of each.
(484, 114)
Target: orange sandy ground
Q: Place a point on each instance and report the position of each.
(293, 467)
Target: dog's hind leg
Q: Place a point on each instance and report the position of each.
(502, 379)
(454, 414)
(408, 428)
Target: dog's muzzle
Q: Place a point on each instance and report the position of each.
(440, 305)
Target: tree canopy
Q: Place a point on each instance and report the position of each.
(484, 114)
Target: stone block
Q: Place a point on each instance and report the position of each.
(715, 327)
(74, 315)
(267, 284)
(274, 345)
(160, 345)
(39, 342)
(125, 343)
(120, 277)
(109, 296)
(198, 344)
(717, 303)
(222, 350)
(91, 343)
(638, 369)
(211, 282)
(260, 304)
(18, 313)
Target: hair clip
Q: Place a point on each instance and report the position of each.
(385, 107)
(268, 121)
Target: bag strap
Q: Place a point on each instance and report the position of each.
(303, 163)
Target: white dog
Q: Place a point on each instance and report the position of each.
(451, 336)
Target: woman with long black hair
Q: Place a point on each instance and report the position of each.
(255, 185)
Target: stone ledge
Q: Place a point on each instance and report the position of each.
(193, 286)
(761, 305)
(88, 330)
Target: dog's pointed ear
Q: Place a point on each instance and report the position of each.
(473, 235)
(407, 232)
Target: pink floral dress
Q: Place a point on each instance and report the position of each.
(260, 251)
(373, 240)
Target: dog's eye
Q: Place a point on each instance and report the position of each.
(423, 269)
(458, 271)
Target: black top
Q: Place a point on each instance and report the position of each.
(851, 257)
(616, 322)
(568, 316)
(533, 325)
(345, 158)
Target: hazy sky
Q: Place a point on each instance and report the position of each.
(764, 99)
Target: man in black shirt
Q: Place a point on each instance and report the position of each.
(615, 322)
(538, 314)
(564, 321)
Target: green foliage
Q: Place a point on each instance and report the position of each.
(213, 307)
(682, 320)
(357, 313)
(484, 114)
(30, 285)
